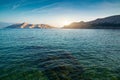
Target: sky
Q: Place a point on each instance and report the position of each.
(56, 12)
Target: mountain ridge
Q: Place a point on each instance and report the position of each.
(111, 22)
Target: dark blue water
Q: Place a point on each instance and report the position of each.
(59, 54)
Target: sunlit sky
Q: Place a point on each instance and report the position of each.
(56, 12)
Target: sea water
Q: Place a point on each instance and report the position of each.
(25, 54)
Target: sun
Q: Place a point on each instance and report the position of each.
(66, 22)
(61, 22)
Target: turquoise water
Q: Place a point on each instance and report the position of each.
(59, 54)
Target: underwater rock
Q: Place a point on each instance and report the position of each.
(61, 66)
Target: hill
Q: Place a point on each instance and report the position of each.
(26, 25)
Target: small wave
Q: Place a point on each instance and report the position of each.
(26, 38)
(34, 47)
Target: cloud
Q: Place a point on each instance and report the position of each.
(107, 8)
(46, 7)
(18, 4)
(110, 5)
(15, 6)
(56, 7)
(27, 3)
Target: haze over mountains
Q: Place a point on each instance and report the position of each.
(27, 25)
(4, 24)
(112, 22)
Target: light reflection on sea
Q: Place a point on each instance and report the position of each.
(51, 54)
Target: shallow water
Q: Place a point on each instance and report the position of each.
(59, 54)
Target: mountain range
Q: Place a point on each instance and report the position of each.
(112, 22)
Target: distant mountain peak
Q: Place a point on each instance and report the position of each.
(23, 25)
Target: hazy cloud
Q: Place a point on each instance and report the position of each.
(46, 7)
(18, 4)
